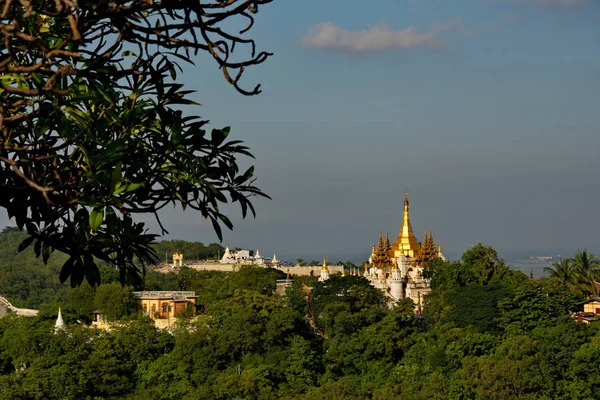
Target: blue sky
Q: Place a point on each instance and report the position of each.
(486, 109)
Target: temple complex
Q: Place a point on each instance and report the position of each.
(397, 269)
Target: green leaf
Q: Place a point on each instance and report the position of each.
(96, 218)
(37, 248)
(218, 136)
(92, 273)
(26, 243)
(66, 270)
(217, 228)
(46, 251)
(77, 273)
(104, 93)
(249, 173)
(128, 187)
(116, 177)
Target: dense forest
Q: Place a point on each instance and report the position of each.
(486, 332)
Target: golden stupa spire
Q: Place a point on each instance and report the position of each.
(386, 245)
(366, 269)
(406, 242)
(324, 268)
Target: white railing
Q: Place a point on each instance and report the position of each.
(164, 294)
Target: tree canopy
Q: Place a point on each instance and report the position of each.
(92, 128)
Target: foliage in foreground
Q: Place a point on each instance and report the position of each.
(93, 131)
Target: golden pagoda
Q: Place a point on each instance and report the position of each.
(406, 243)
(397, 269)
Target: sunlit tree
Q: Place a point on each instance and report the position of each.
(564, 272)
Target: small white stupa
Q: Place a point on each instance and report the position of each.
(324, 271)
(258, 259)
(228, 257)
(60, 323)
(274, 260)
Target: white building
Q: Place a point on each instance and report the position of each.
(243, 257)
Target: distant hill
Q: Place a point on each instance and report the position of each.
(24, 279)
(190, 250)
(26, 282)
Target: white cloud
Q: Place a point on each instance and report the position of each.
(377, 38)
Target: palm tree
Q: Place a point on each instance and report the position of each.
(588, 269)
(564, 272)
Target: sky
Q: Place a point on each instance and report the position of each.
(487, 110)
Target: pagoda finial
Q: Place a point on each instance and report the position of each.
(406, 240)
(324, 268)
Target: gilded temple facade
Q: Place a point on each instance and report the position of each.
(397, 268)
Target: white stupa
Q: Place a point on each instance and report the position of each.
(258, 259)
(60, 323)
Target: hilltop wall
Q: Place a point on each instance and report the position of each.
(6, 308)
(215, 267)
(293, 269)
(306, 271)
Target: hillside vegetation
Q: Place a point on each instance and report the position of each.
(26, 282)
(487, 332)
